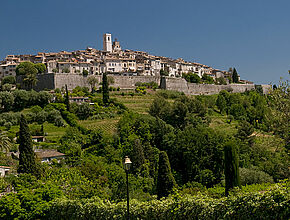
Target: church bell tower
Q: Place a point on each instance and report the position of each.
(107, 42)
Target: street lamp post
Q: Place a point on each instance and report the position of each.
(127, 165)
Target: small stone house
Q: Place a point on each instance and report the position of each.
(48, 155)
(4, 170)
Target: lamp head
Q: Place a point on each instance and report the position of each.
(127, 163)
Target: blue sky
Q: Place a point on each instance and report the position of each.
(251, 35)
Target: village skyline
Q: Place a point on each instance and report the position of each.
(250, 36)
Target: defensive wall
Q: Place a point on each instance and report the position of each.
(181, 85)
(59, 80)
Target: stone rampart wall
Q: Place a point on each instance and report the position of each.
(181, 85)
(124, 82)
(59, 80)
(71, 80)
(44, 81)
(128, 82)
(208, 89)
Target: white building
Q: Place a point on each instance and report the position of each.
(113, 65)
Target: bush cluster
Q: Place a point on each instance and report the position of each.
(272, 204)
(37, 114)
(150, 85)
(20, 99)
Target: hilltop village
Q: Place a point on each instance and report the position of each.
(112, 59)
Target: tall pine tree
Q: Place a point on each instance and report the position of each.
(235, 76)
(165, 179)
(27, 163)
(232, 175)
(66, 100)
(105, 89)
(138, 158)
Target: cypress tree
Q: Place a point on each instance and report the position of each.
(105, 89)
(235, 76)
(232, 176)
(27, 163)
(67, 99)
(165, 179)
(138, 158)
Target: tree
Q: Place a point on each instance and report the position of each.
(110, 80)
(8, 80)
(235, 76)
(29, 71)
(85, 72)
(207, 79)
(195, 150)
(6, 101)
(160, 108)
(165, 179)
(238, 111)
(43, 98)
(163, 73)
(105, 89)
(178, 114)
(192, 77)
(66, 100)
(26, 68)
(279, 101)
(27, 163)
(65, 70)
(83, 111)
(5, 143)
(6, 87)
(137, 157)
(92, 80)
(232, 176)
(41, 68)
(220, 81)
(30, 80)
(221, 103)
(245, 131)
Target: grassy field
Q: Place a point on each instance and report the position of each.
(136, 103)
(53, 133)
(109, 125)
(220, 122)
(139, 104)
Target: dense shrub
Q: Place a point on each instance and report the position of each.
(168, 94)
(271, 204)
(150, 85)
(13, 118)
(254, 176)
(140, 89)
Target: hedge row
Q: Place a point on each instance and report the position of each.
(271, 204)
